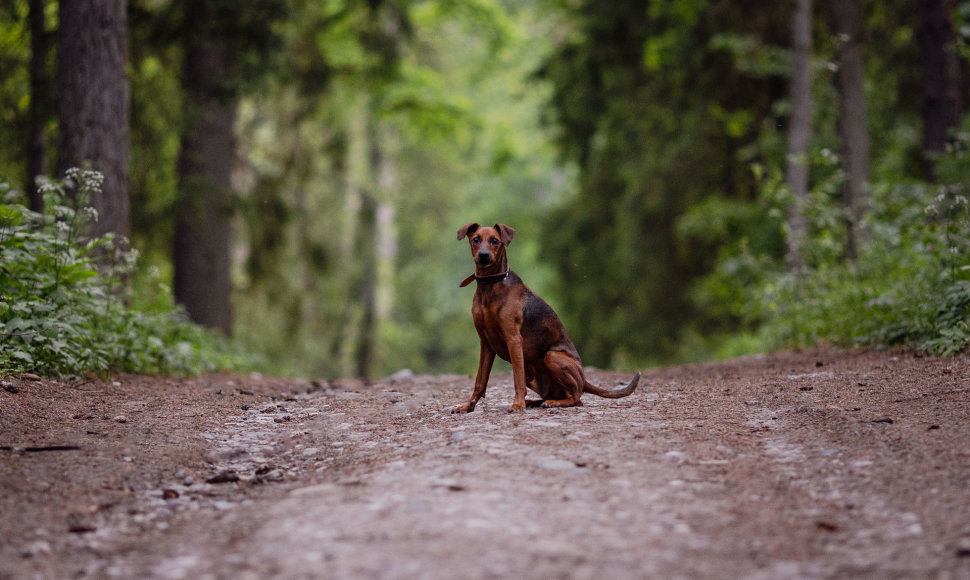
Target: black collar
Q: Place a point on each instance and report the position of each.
(490, 279)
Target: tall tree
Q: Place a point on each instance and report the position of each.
(799, 129)
(942, 95)
(93, 103)
(204, 212)
(224, 44)
(41, 102)
(852, 124)
(655, 102)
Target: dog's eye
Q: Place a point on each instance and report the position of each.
(476, 239)
(494, 241)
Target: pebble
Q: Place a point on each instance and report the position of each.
(310, 452)
(401, 375)
(227, 476)
(963, 547)
(38, 548)
(121, 419)
(9, 387)
(555, 464)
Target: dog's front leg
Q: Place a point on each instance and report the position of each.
(518, 373)
(486, 357)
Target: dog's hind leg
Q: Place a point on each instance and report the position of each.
(567, 372)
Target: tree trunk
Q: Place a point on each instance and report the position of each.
(852, 123)
(203, 233)
(800, 130)
(942, 98)
(40, 103)
(365, 288)
(356, 246)
(386, 230)
(93, 103)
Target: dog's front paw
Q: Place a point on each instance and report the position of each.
(466, 408)
(516, 407)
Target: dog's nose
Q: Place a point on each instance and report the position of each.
(484, 257)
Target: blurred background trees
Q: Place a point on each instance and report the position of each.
(690, 178)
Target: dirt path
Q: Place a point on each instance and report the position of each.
(802, 465)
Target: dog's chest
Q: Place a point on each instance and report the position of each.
(496, 317)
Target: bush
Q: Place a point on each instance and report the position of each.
(910, 285)
(65, 302)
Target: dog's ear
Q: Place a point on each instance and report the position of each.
(466, 230)
(506, 233)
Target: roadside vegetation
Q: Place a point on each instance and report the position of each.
(910, 286)
(690, 179)
(68, 306)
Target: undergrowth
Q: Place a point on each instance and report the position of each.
(66, 307)
(910, 285)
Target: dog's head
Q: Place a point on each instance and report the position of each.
(488, 243)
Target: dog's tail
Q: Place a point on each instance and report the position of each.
(615, 393)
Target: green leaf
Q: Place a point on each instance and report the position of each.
(23, 356)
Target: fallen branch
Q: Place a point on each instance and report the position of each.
(38, 449)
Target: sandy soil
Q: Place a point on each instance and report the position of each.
(815, 464)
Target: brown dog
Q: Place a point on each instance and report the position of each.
(515, 324)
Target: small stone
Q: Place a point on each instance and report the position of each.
(120, 419)
(38, 548)
(9, 387)
(555, 464)
(169, 493)
(80, 524)
(963, 547)
(401, 375)
(826, 526)
(310, 452)
(226, 476)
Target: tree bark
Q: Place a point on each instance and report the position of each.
(203, 233)
(853, 118)
(800, 130)
(41, 100)
(942, 97)
(356, 244)
(94, 103)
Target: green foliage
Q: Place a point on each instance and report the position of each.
(910, 286)
(659, 105)
(14, 100)
(636, 146)
(64, 309)
(454, 125)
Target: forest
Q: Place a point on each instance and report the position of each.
(275, 185)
